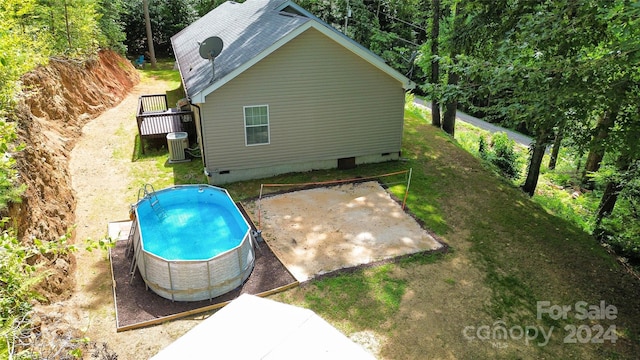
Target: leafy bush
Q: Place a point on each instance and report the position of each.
(577, 210)
(22, 268)
(620, 230)
(17, 279)
(10, 191)
(500, 152)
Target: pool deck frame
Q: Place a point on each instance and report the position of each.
(117, 235)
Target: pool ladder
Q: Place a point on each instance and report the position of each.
(147, 191)
(133, 248)
(131, 238)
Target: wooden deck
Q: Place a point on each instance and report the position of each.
(156, 120)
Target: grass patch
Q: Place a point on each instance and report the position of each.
(164, 72)
(468, 137)
(366, 297)
(555, 190)
(155, 167)
(559, 193)
(422, 198)
(425, 258)
(577, 210)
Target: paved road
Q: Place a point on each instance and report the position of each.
(515, 136)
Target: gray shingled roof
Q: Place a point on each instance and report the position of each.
(246, 30)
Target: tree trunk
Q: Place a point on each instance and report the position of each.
(435, 113)
(533, 172)
(346, 18)
(597, 149)
(66, 22)
(451, 107)
(435, 64)
(147, 21)
(53, 22)
(608, 200)
(594, 159)
(449, 120)
(556, 149)
(611, 192)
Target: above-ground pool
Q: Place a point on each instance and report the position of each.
(193, 242)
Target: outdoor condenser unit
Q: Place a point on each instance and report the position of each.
(177, 142)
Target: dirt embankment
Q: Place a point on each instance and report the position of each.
(57, 101)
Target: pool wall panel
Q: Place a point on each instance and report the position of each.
(196, 280)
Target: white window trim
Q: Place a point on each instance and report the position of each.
(244, 124)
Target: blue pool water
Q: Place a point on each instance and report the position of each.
(190, 223)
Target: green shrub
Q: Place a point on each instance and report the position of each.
(10, 190)
(620, 230)
(22, 268)
(18, 279)
(500, 152)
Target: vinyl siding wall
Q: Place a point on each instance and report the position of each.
(325, 103)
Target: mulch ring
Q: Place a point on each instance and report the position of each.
(138, 307)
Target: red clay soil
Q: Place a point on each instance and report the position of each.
(56, 102)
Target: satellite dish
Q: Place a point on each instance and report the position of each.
(211, 47)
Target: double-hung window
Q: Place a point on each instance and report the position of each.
(256, 125)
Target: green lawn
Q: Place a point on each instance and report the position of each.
(507, 254)
(555, 187)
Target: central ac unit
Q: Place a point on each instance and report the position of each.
(177, 142)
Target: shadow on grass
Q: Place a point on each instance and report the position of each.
(153, 149)
(180, 173)
(366, 297)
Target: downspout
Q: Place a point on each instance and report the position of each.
(202, 147)
(201, 138)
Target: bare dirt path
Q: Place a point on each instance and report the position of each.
(100, 167)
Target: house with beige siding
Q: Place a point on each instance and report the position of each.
(287, 93)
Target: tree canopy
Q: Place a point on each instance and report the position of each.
(31, 31)
(168, 17)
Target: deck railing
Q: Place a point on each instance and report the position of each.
(153, 103)
(156, 120)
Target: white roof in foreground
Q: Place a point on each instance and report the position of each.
(251, 327)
